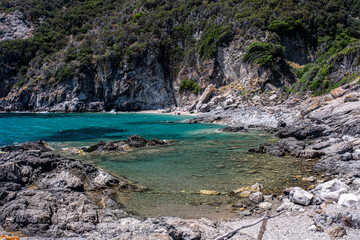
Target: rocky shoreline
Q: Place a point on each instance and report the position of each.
(49, 196)
(325, 127)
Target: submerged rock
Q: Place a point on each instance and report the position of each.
(209, 192)
(234, 129)
(261, 149)
(134, 141)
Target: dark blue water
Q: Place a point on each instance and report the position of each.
(201, 158)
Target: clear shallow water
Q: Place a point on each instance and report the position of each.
(201, 158)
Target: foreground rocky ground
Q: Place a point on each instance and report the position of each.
(46, 196)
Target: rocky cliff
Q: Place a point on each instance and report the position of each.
(92, 56)
(140, 83)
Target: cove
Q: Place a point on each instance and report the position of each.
(200, 158)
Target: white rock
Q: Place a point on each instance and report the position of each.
(286, 205)
(272, 97)
(104, 179)
(205, 96)
(356, 154)
(331, 190)
(312, 228)
(265, 205)
(256, 98)
(300, 196)
(257, 187)
(256, 197)
(347, 200)
(302, 210)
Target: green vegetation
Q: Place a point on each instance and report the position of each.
(212, 39)
(189, 85)
(64, 73)
(85, 32)
(316, 76)
(263, 54)
(288, 26)
(138, 15)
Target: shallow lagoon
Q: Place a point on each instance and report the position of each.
(199, 158)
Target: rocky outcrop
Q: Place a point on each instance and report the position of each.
(134, 141)
(250, 76)
(234, 129)
(14, 26)
(42, 194)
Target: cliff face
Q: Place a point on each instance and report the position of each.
(140, 83)
(135, 55)
(143, 81)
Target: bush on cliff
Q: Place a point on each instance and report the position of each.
(189, 85)
(264, 54)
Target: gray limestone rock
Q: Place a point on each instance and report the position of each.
(256, 197)
(331, 190)
(300, 196)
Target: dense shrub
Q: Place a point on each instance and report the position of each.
(264, 54)
(189, 85)
(212, 39)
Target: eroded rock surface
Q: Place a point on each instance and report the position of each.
(134, 141)
(14, 26)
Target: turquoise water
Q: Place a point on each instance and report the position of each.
(200, 158)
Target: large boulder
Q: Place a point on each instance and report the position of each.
(347, 200)
(256, 197)
(205, 96)
(300, 196)
(331, 190)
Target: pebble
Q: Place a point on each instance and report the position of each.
(244, 194)
(209, 192)
(312, 228)
(265, 205)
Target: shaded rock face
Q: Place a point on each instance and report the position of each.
(141, 83)
(296, 50)
(345, 64)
